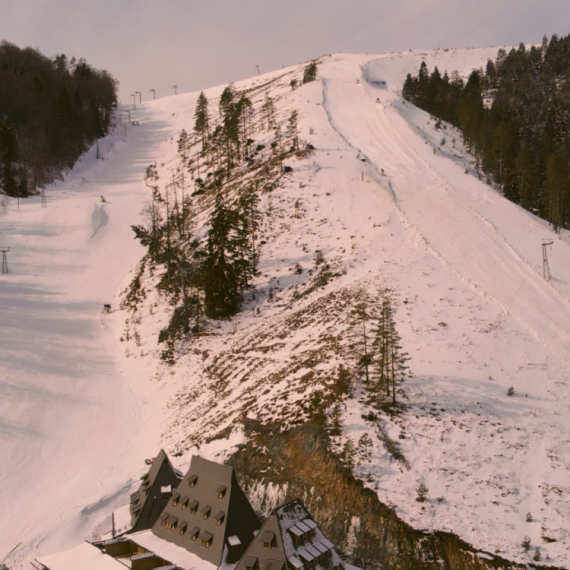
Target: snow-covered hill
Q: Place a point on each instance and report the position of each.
(390, 206)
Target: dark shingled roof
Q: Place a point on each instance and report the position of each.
(211, 488)
(290, 538)
(148, 501)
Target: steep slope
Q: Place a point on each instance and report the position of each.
(475, 314)
(74, 424)
(385, 210)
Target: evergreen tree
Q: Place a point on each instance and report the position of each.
(390, 361)
(202, 119)
(293, 130)
(557, 190)
(268, 111)
(361, 316)
(250, 223)
(183, 146)
(310, 72)
(222, 276)
(51, 111)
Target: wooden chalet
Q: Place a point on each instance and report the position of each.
(154, 492)
(290, 540)
(207, 513)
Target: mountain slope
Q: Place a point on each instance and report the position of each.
(386, 211)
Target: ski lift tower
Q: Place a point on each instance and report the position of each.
(545, 267)
(4, 251)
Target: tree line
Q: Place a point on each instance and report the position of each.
(51, 111)
(515, 117)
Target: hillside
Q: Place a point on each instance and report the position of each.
(389, 206)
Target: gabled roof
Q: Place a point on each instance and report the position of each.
(207, 508)
(290, 538)
(151, 497)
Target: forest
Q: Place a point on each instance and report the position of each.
(51, 111)
(515, 117)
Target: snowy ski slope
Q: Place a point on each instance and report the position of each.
(80, 409)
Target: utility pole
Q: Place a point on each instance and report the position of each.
(140, 97)
(153, 93)
(545, 267)
(134, 96)
(258, 73)
(175, 87)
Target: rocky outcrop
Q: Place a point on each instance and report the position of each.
(369, 533)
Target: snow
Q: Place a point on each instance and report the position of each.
(80, 410)
(75, 425)
(84, 555)
(170, 551)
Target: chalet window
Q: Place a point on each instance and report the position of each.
(163, 519)
(184, 502)
(268, 539)
(206, 538)
(193, 506)
(194, 533)
(182, 528)
(219, 518)
(192, 480)
(221, 491)
(175, 498)
(251, 563)
(206, 511)
(171, 522)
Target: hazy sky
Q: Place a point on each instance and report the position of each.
(201, 43)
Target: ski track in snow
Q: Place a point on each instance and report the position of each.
(70, 418)
(79, 410)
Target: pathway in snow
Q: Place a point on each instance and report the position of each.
(70, 425)
(436, 198)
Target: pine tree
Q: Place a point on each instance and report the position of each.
(557, 190)
(244, 111)
(361, 316)
(310, 72)
(8, 155)
(293, 130)
(389, 358)
(250, 223)
(222, 274)
(202, 119)
(268, 112)
(183, 146)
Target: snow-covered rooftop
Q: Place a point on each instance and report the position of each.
(169, 551)
(84, 555)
